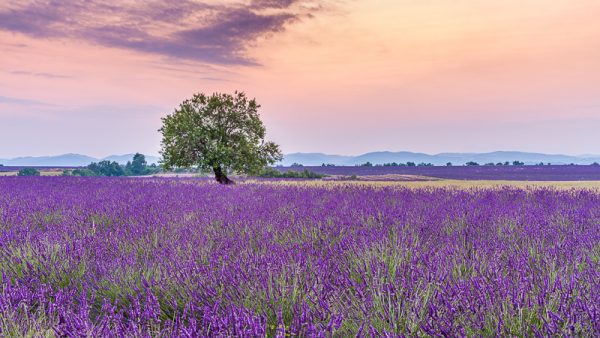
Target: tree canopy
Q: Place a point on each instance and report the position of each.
(28, 172)
(106, 168)
(221, 132)
(138, 166)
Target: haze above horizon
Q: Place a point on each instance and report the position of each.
(336, 77)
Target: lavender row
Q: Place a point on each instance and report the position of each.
(517, 173)
(181, 257)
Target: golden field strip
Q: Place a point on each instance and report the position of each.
(383, 181)
(42, 173)
(459, 184)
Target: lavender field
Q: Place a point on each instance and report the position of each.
(519, 173)
(187, 257)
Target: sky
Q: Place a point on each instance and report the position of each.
(333, 76)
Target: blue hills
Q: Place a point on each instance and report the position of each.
(69, 160)
(316, 159)
(380, 157)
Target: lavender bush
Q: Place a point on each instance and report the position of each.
(169, 257)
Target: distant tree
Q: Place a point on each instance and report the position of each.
(595, 164)
(423, 164)
(269, 172)
(541, 163)
(85, 172)
(471, 163)
(106, 168)
(327, 165)
(153, 169)
(490, 164)
(67, 172)
(367, 164)
(506, 163)
(297, 165)
(499, 163)
(28, 172)
(411, 164)
(221, 132)
(138, 166)
(1, 165)
(448, 164)
(518, 163)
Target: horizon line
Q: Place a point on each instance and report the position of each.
(327, 154)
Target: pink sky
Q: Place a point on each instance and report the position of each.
(337, 76)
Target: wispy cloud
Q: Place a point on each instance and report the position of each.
(19, 101)
(199, 31)
(39, 74)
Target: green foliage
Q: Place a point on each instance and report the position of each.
(269, 172)
(221, 132)
(153, 169)
(85, 172)
(411, 164)
(518, 163)
(367, 164)
(449, 164)
(138, 166)
(471, 163)
(28, 172)
(106, 168)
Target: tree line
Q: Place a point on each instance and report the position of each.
(136, 167)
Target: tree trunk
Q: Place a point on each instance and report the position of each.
(221, 177)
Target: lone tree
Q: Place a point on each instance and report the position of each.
(221, 132)
(138, 165)
(28, 172)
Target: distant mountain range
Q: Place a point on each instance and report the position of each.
(315, 159)
(381, 157)
(69, 160)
